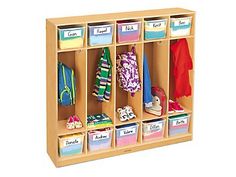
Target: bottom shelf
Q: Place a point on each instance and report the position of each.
(62, 161)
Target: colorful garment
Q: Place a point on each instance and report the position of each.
(102, 87)
(147, 93)
(127, 72)
(182, 64)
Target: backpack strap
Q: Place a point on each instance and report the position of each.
(73, 86)
(66, 88)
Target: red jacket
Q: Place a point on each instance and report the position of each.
(182, 64)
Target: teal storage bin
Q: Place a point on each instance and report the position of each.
(100, 34)
(155, 29)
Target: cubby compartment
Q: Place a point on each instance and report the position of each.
(155, 28)
(178, 124)
(71, 36)
(181, 25)
(157, 56)
(75, 60)
(124, 98)
(128, 31)
(93, 105)
(100, 33)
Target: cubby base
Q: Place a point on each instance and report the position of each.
(121, 150)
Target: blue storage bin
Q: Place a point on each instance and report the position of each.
(99, 139)
(180, 26)
(155, 29)
(100, 34)
(178, 124)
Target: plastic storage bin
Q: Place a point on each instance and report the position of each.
(178, 124)
(180, 26)
(153, 129)
(155, 29)
(100, 34)
(126, 134)
(71, 37)
(99, 139)
(128, 31)
(71, 144)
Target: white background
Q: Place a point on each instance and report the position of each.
(22, 93)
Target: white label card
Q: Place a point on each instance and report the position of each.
(128, 131)
(74, 33)
(126, 28)
(72, 141)
(155, 127)
(101, 136)
(181, 22)
(157, 25)
(180, 122)
(103, 30)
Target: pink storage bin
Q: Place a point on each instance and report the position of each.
(126, 134)
(128, 31)
(153, 129)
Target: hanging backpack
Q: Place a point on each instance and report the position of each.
(66, 85)
(160, 93)
(127, 72)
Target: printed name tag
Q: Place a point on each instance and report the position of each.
(104, 30)
(157, 25)
(181, 22)
(101, 136)
(128, 131)
(180, 122)
(72, 141)
(155, 127)
(74, 33)
(126, 28)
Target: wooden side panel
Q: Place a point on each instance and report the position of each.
(51, 86)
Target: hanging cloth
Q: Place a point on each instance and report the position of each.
(182, 64)
(147, 94)
(102, 87)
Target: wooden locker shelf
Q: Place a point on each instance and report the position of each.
(84, 62)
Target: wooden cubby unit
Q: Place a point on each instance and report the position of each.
(84, 62)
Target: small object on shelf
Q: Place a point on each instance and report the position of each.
(98, 121)
(127, 72)
(100, 34)
(155, 29)
(160, 93)
(71, 144)
(99, 139)
(156, 107)
(71, 37)
(126, 113)
(66, 85)
(170, 109)
(126, 134)
(178, 124)
(102, 86)
(175, 106)
(128, 31)
(153, 129)
(180, 26)
(73, 122)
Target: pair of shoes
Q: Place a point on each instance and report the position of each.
(73, 122)
(174, 106)
(126, 113)
(156, 106)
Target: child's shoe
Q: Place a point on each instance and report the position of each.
(176, 106)
(129, 112)
(70, 123)
(122, 114)
(155, 108)
(77, 122)
(170, 108)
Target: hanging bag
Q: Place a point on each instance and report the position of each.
(66, 85)
(127, 72)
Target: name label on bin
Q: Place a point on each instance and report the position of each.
(128, 131)
(157, 25)
(72, 141)
(74, 33)
(181, 22)
(155, 127)
(180, 122)
(103, 30)
(101, 136)
(126, 28)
